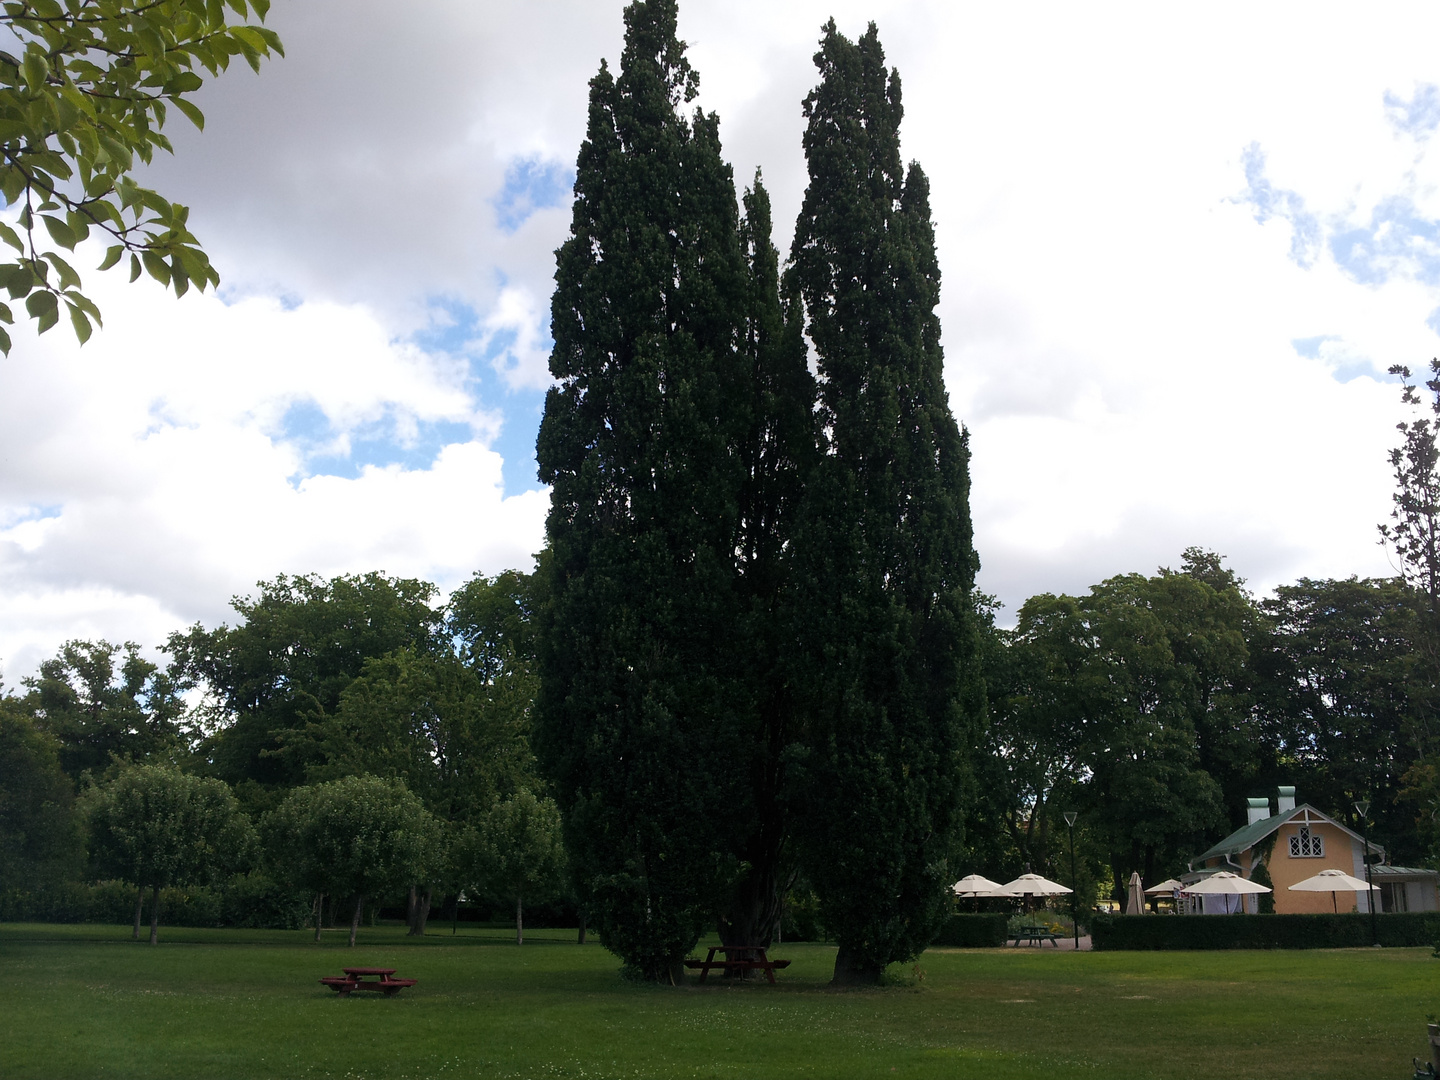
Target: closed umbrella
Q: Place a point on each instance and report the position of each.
(1135, 901)
(975, 885)
(1332, 881)
(1226, 884)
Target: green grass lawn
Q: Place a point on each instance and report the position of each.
(84, 1001)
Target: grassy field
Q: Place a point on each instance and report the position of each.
(84, 1001)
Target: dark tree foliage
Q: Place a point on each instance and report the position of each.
(284, 666)
(39, 836)
(104, 703)
(640, 712)
(1347, 702)
(885, 562)
(778, 451)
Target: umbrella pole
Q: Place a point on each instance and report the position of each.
(1335, 904)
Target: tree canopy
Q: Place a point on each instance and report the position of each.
(155, 826)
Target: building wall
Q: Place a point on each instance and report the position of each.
(1341, 852)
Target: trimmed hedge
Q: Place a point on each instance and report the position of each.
(974, 931)
(246, 900)
(1395, 930)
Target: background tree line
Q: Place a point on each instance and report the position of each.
(347, 740)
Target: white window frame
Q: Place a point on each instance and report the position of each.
(1305, 844)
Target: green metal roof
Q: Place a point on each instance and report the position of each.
(1246, 838)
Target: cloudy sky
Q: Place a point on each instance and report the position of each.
(1181, 246)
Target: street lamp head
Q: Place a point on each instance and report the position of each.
(1363, 808)
(1070, 817)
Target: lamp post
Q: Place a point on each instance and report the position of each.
(1074, 892)
(1363, 809)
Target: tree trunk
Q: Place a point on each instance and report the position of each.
(139, 907)
(412, 906)
(319, 913)
(422, 914)
(455, 915)
(154, 914)
(850, 970)
(355, 921)
(581, 940)
(519, 920)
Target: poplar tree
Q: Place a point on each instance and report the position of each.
(885, 561)
(640, 714)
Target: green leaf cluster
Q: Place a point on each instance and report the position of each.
(84, 96)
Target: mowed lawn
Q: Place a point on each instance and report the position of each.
(87, 1002)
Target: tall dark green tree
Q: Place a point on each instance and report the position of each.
(885, 560)
(778, 451)
(640, 716)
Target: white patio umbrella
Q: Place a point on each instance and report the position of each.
(975, 885)
(1135, 901)
(1034, 885)
(1332, 881)
(1226, 884)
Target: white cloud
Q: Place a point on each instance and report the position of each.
(151, 475)
(1120, 332)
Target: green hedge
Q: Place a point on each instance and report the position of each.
(246, 900)
(1398, 929)
(969, 931)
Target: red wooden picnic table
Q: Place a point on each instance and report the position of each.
(366, 978)
(750, 958)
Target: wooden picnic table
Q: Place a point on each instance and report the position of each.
(749, 958)
(1033, 935)
(366, 978)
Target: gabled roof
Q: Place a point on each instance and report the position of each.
(1246, 838)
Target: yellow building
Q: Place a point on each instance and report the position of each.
(1297, 842)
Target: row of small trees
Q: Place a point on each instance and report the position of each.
(358, 838)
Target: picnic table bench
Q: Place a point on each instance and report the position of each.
(382, 979)
(1033, 935)
(748, 958)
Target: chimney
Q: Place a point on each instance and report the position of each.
(1259, 810)
(1284, 800)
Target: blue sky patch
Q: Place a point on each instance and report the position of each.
(1419, 116)
(1309, 347)
(531, 184)
(455, 331)
(1270, 201)
(16, 515)
(1398, 240)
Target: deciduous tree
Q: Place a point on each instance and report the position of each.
(39, 838)
(356, 837)
(105, 702)
(155, 826)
